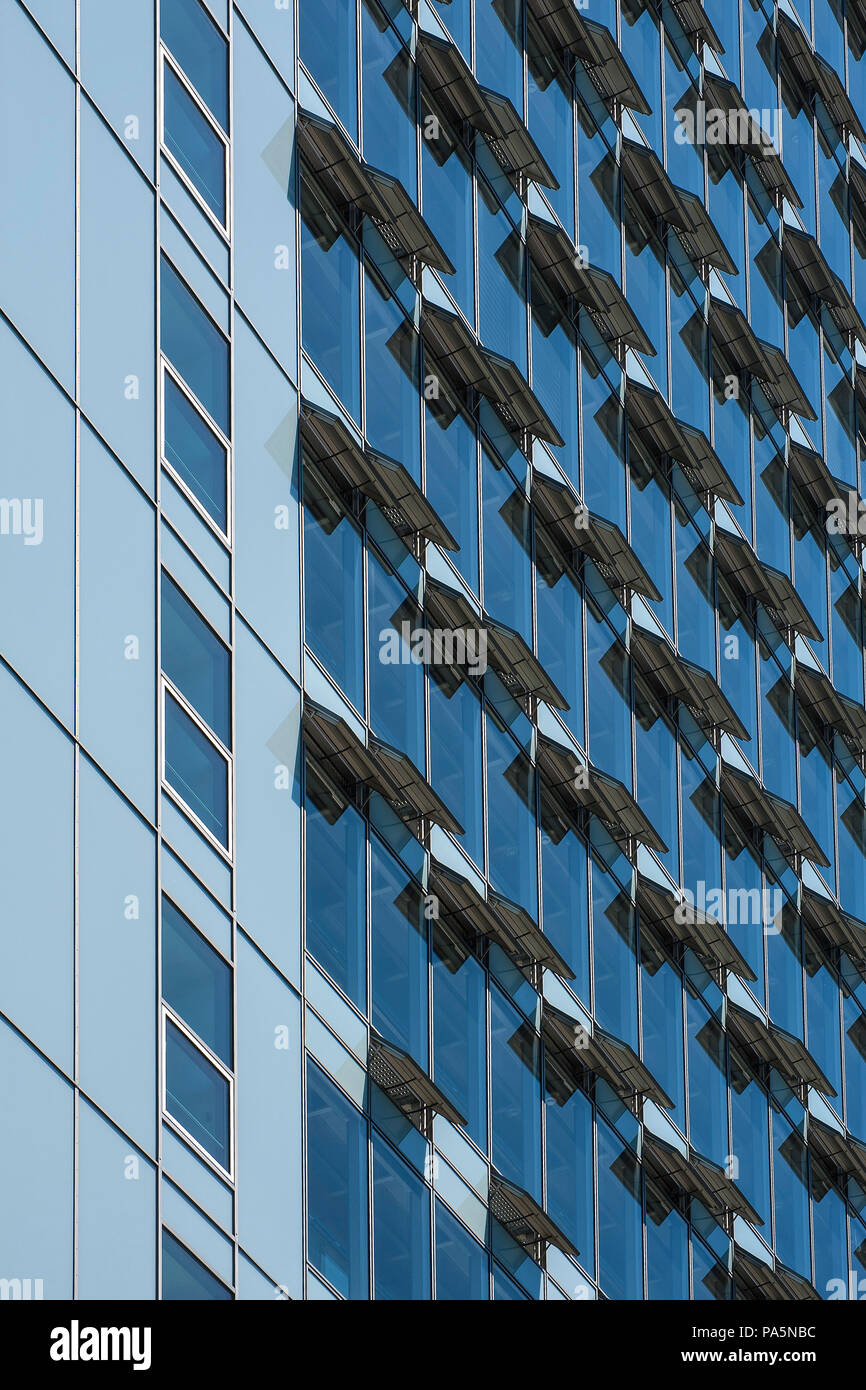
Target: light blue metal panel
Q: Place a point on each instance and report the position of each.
(270, 1218)
(117, 947)
(116, 1213)
(117, 622)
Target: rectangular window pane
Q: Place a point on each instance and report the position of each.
(336, 884)
(199, 47)
(333, 612)
(195, 145)
(196, 982)
(195, 660)
(401, 1228)
(461, 1263)
(337, 1186)
(196, 1094)
(185, 1277)
(195, 453)
(194, 344)
(196, 770)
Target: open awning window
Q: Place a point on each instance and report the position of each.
(601, 1053)
(330, 446)
(816, 75)
(812, 476)
(649, 185)
(524, 1220)
(495, 917)
(748, 353)
(507, 652)
(580, 785)
(837, 927)
(407, 1085)
(471, 366)
(808, 264)
(575, 528)
(556, 257)
(830, 707)
(652, 418)
(348, 179)
(696, 23)
(683, 680)
(687, 923)
(843, 1151)
(773, 1282)
(450, 81)
(698, 1177)
(739, 563)
(721, 95)
(564, 28)
(339, 755)
(778, 1048)
(771, 814)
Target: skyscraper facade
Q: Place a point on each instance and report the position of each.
(432, 820)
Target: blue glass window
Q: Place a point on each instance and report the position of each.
(196, 769)
(336, 889)
(501, 281)
(507, 546)
(614, 962)
(197, 1094)
(620, 1256)
(516, 1095)
(461, 1263)
(401, 1228)
(455, 755)
(569, 1161)
(399, 957)
(331, 298)
(392, 361)
(184, 1277)
(667, 1251)
(446, 171)
(195, 660)
(188, 30)
(511, 824)
(460, 1032)
(396, 690)
(196, 982)
(564, 895)
(791, 1197)
(336, 1186)
(708, 1108)
(329, 49)
(195, 453)
(333, 627)
(388, 91)
(452, 481)
(193, 343)
(750, 1141)
(195, 145)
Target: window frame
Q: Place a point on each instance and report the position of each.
(167, 59)
(167, 1230)
(168, 1015)
(167, 687)
(167, 368)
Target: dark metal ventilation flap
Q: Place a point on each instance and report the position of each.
(406, 1084)
(381, 197)
(330, 445)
